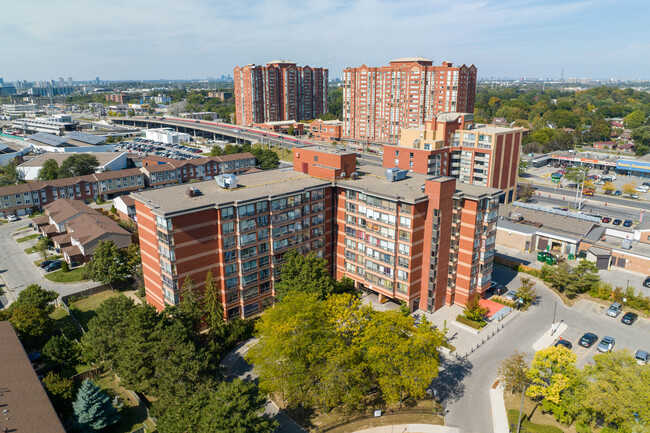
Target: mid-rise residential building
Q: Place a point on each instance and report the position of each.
(422, 239)
(379, 101)
(325, 130)
(451, 144)
(279, 91)
(107, 161)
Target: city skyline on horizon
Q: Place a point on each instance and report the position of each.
(502, 38)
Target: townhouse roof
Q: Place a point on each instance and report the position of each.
(158, 168)
(72, 251)
(61, 239)
(117, 174)
(87, 228)
(15, 189)
(41, 220)
(29, 408)
(126, 199)
(102, 157)
(64, 208)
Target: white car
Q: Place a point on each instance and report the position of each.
(12, 218)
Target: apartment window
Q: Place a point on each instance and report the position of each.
(405, 222)
(401, 261)
(402, 275)
(232, 282)
(246, 210)
(230, 269)
(404, 249)
(227, 213)
(228, 227)
(262, 207)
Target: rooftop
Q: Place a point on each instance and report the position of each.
(103, 158)
(88, 227)
(567, 225)
(85, 138)
(48, 139)
(29, 408)
(411, 59)
(372, 179)
(325, 149)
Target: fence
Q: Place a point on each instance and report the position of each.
(63, 304)
(88, 374)
(577, 215)
(86, 292)
(508, 262)
(484, 340)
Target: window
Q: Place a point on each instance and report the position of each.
(402, 275)
(246, 210)
(405, 222)
(228, 227)
(404, 249)
(227, 213)
(231, 269)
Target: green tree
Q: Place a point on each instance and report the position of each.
(65, 267)
(78, 164)
(526, 291)
(577, 174)
(43, 246)
(550, 373)
(30, 321)
(34, 296)
(49, 170)
(306, 273)
(216, 151)
(107, 330)
(131, 113)
(108, 264)
(635, 119)
(60, 390)
(523, 166)
(525, 193)
(213, 308)
(92, 408)
(473, 310)
(60, 350)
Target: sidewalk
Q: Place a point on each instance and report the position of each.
(499, 413)
(410, 428)
(548, 337)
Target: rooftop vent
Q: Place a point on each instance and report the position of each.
(192, 192)
(394, 174)
(227, 181)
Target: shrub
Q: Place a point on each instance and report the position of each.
(503, 301)
(65, 267)
(113, 210)
(469, 322)
(530, 271)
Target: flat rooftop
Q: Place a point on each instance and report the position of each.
(103, 158)
(250, 187)
(326, 149)
(372, 179)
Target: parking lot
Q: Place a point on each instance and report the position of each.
(587, 316)
(172, 151)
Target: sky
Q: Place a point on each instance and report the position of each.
(186, 39)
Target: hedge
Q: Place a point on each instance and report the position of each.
(503, 301)
(465, 321)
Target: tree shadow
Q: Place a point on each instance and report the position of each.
(448, 386)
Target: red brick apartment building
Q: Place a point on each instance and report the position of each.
(451, 144)
(325, 130)
(379, 101)
(422, 239)
(279, 91)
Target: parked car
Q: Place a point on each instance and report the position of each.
(627, 223)
(614, 310)
(617, 192)
(564, 343)
(512, 296)
(629, 318)
(635, 195)
(588, 339)
(617, 222)
(646, 282)
(45, 263)
(606, 344)
(56, 264)
(606, 220)
(642, 357)
(12, 218)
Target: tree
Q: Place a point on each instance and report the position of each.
(49, 170)
(523, 166)
(526, 291)
(550, 373)
(577, 175)
(60, 390)
(629, 188)
(189, 307)
(213, 307)
(107, 330)
(291, 130)
(65, 267)
(62, 351)
(92, 408)
(307, 274)
(43, 246)
(216, 151)
(526, 193)
(473, 310)
(608, 188)
(513, 373)
(30, 321)
(78, 164)
(131, 113)
(108, 264)
(635, 119)
(34, 296)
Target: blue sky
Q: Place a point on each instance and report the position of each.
(150, 39)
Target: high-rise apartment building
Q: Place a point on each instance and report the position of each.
(422, 239)
(279, 91)
(451, 144)
(379, 101)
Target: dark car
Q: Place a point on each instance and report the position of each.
(618, 192)
(646, 283)
(45, 263)
(627, 223)
(564, 343)
(56, 264)
(588, 339)
(617, 222)
(606, 220)
(629, 318)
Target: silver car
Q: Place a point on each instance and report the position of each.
(615, 309)
(606, 344)
(642, 357)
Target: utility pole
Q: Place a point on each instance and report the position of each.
(553, 324)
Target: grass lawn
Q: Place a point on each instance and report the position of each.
(49, 257)
(546, 422)
(74, 276)
(132, 417)
(63, 321)
(30, 250)
(35, 214)
(84, 309)
(27, 238)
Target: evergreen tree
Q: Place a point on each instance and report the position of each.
(62, 351)
(213, 307)
(92, 408)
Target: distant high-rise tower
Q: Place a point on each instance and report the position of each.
(379, 101)
(97, 80)
(279, 91)
(61, 82)
(70, 82)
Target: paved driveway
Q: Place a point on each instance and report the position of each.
(18, 271)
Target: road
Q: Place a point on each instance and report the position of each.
(609, 199)
(18, 271)
(596, 208)
(464, 385)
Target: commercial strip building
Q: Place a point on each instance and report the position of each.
(27, 406)
(422, 239)
(279, 91)
(620, 164)
(379, 101)
(107, 161)
(40, 124)
(451, 144)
